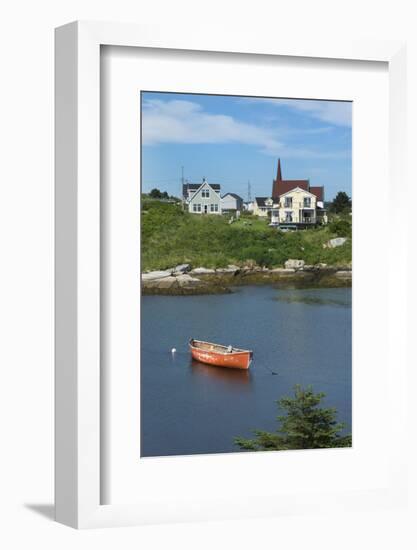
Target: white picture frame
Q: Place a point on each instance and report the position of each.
(78, 298)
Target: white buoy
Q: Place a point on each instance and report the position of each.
(173, 350)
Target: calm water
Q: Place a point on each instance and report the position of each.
(187, 407)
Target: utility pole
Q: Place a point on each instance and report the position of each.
(182, 187)
(249, 193)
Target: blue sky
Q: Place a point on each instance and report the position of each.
(232, 140)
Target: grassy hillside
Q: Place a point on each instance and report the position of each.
(171, 236)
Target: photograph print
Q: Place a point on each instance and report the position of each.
(246, 274)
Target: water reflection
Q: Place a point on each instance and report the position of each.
(312, 299)
(238, 377)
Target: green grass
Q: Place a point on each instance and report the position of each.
(171, 236)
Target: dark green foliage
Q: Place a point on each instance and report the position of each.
(155, 194)
(304, 426)
(341, 228)
(341, 203)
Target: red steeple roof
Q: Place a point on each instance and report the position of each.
(279, 175)
(280, 186)
(318, 191)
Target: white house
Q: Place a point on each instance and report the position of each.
(202, 198)
(298, 206)
(231, 203)
(262, 206)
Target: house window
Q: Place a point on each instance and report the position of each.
(263, 209)
(205, 193)
(288, 202)
(307, 202)
(196, 207)
(214, 207)
(288, 216)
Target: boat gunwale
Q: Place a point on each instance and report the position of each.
(235, 351)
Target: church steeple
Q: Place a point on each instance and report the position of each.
(279, 175)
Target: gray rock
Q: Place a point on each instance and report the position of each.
(317, 268)
(333, 243)
(188, 281)
(167, 282)
(228, 269)
(182, 268)
(202, 271)
(344, 274)
(294, 264)
(152, 275)
(282, 270)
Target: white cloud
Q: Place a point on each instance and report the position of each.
(338, 113)
(180, 121)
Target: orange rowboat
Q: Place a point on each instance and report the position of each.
(220, 356)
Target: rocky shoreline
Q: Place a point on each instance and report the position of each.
(184, 280)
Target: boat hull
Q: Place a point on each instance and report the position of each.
(234, 360)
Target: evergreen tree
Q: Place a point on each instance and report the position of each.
(305, 426)
(155, 194)
(341, 203)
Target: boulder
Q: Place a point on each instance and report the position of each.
(167, 282)
(250, 264)
(228, 269)
(247, 270)
(294, 264)
(333, 243)
(317, 268)
(152, 275)
(182, 268)
(187, 281)
(344, 274)
(282, 270)
(202, 271)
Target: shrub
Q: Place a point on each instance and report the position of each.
(341, 228)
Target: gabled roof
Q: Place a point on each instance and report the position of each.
(195, 186)
(261, 201)
(300, 188)
(318, 192)
(234, 196)
(191, 186)
(279, 187)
